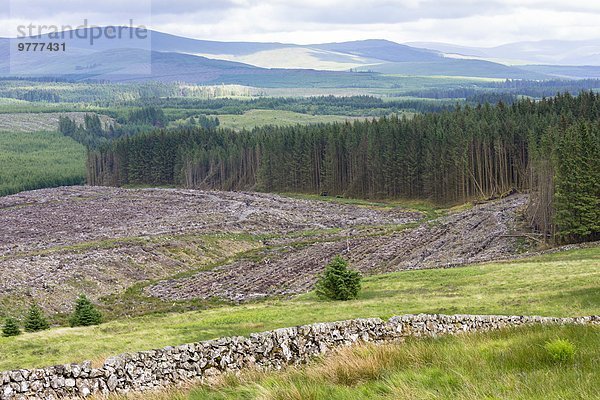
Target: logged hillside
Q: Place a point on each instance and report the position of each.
(47, 121)
(173, 246)
(101, 241)
(560, 284)
(550, 147)
(473, 235)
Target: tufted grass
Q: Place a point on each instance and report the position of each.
(561, 284)
(507, 364)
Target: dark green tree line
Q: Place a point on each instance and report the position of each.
(448, 157)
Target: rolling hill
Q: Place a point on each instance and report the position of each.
(166, 57)
(547, 52)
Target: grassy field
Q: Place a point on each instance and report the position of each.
(39, 159)
(255, 118)
(425, 206)
(562, 284)
(508, 364)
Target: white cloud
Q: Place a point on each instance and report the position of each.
(467, 22)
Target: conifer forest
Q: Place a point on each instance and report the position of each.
(549, 147)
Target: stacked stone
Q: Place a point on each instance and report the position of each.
(268, 350)
(52, 382)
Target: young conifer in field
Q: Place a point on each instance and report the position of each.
(35, 320)
(338, 282)
(85, 313)
(11, 327)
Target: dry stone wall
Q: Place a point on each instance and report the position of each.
(268, 350)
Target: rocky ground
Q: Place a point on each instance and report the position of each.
(47, 218)
(474, 235)
(188, 244)
(57, 243)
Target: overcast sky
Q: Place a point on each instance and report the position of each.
(466, 22)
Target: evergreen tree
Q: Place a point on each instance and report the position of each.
(448, 157)
(85, 313)
(338, 282)
(35, 320)
(93, 125)
(11, 328)
(577, 194)
(67, 126)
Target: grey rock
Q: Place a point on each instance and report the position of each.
(112, 382)
(267, 350)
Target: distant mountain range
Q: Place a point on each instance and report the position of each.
(551, 52)
(167, 57)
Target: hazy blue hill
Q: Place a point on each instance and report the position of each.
(381, 50)
(565, 71)
(139, 64)
(450, 48)
(4, 55)
(171, 43)
(168, 57)
(158, 41)
(126, 65)
(457, 67)
(553, 52)
(559, 52)
(183, 67)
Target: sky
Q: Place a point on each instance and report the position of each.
(462, 22)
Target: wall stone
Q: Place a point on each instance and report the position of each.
(267, 350)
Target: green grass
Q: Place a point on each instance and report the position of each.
(507, 364)
(39, 159)
(254, 118)
(427, 207)
(564, 284)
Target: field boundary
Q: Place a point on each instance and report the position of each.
(269, 350)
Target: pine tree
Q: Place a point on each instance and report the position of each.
(35, 320)
(85, 313)
(576, 196)
(448, 157)
(11, 328)
(338, 282)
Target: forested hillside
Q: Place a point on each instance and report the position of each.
(34, 160)
(551, 146)
(234, 98)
